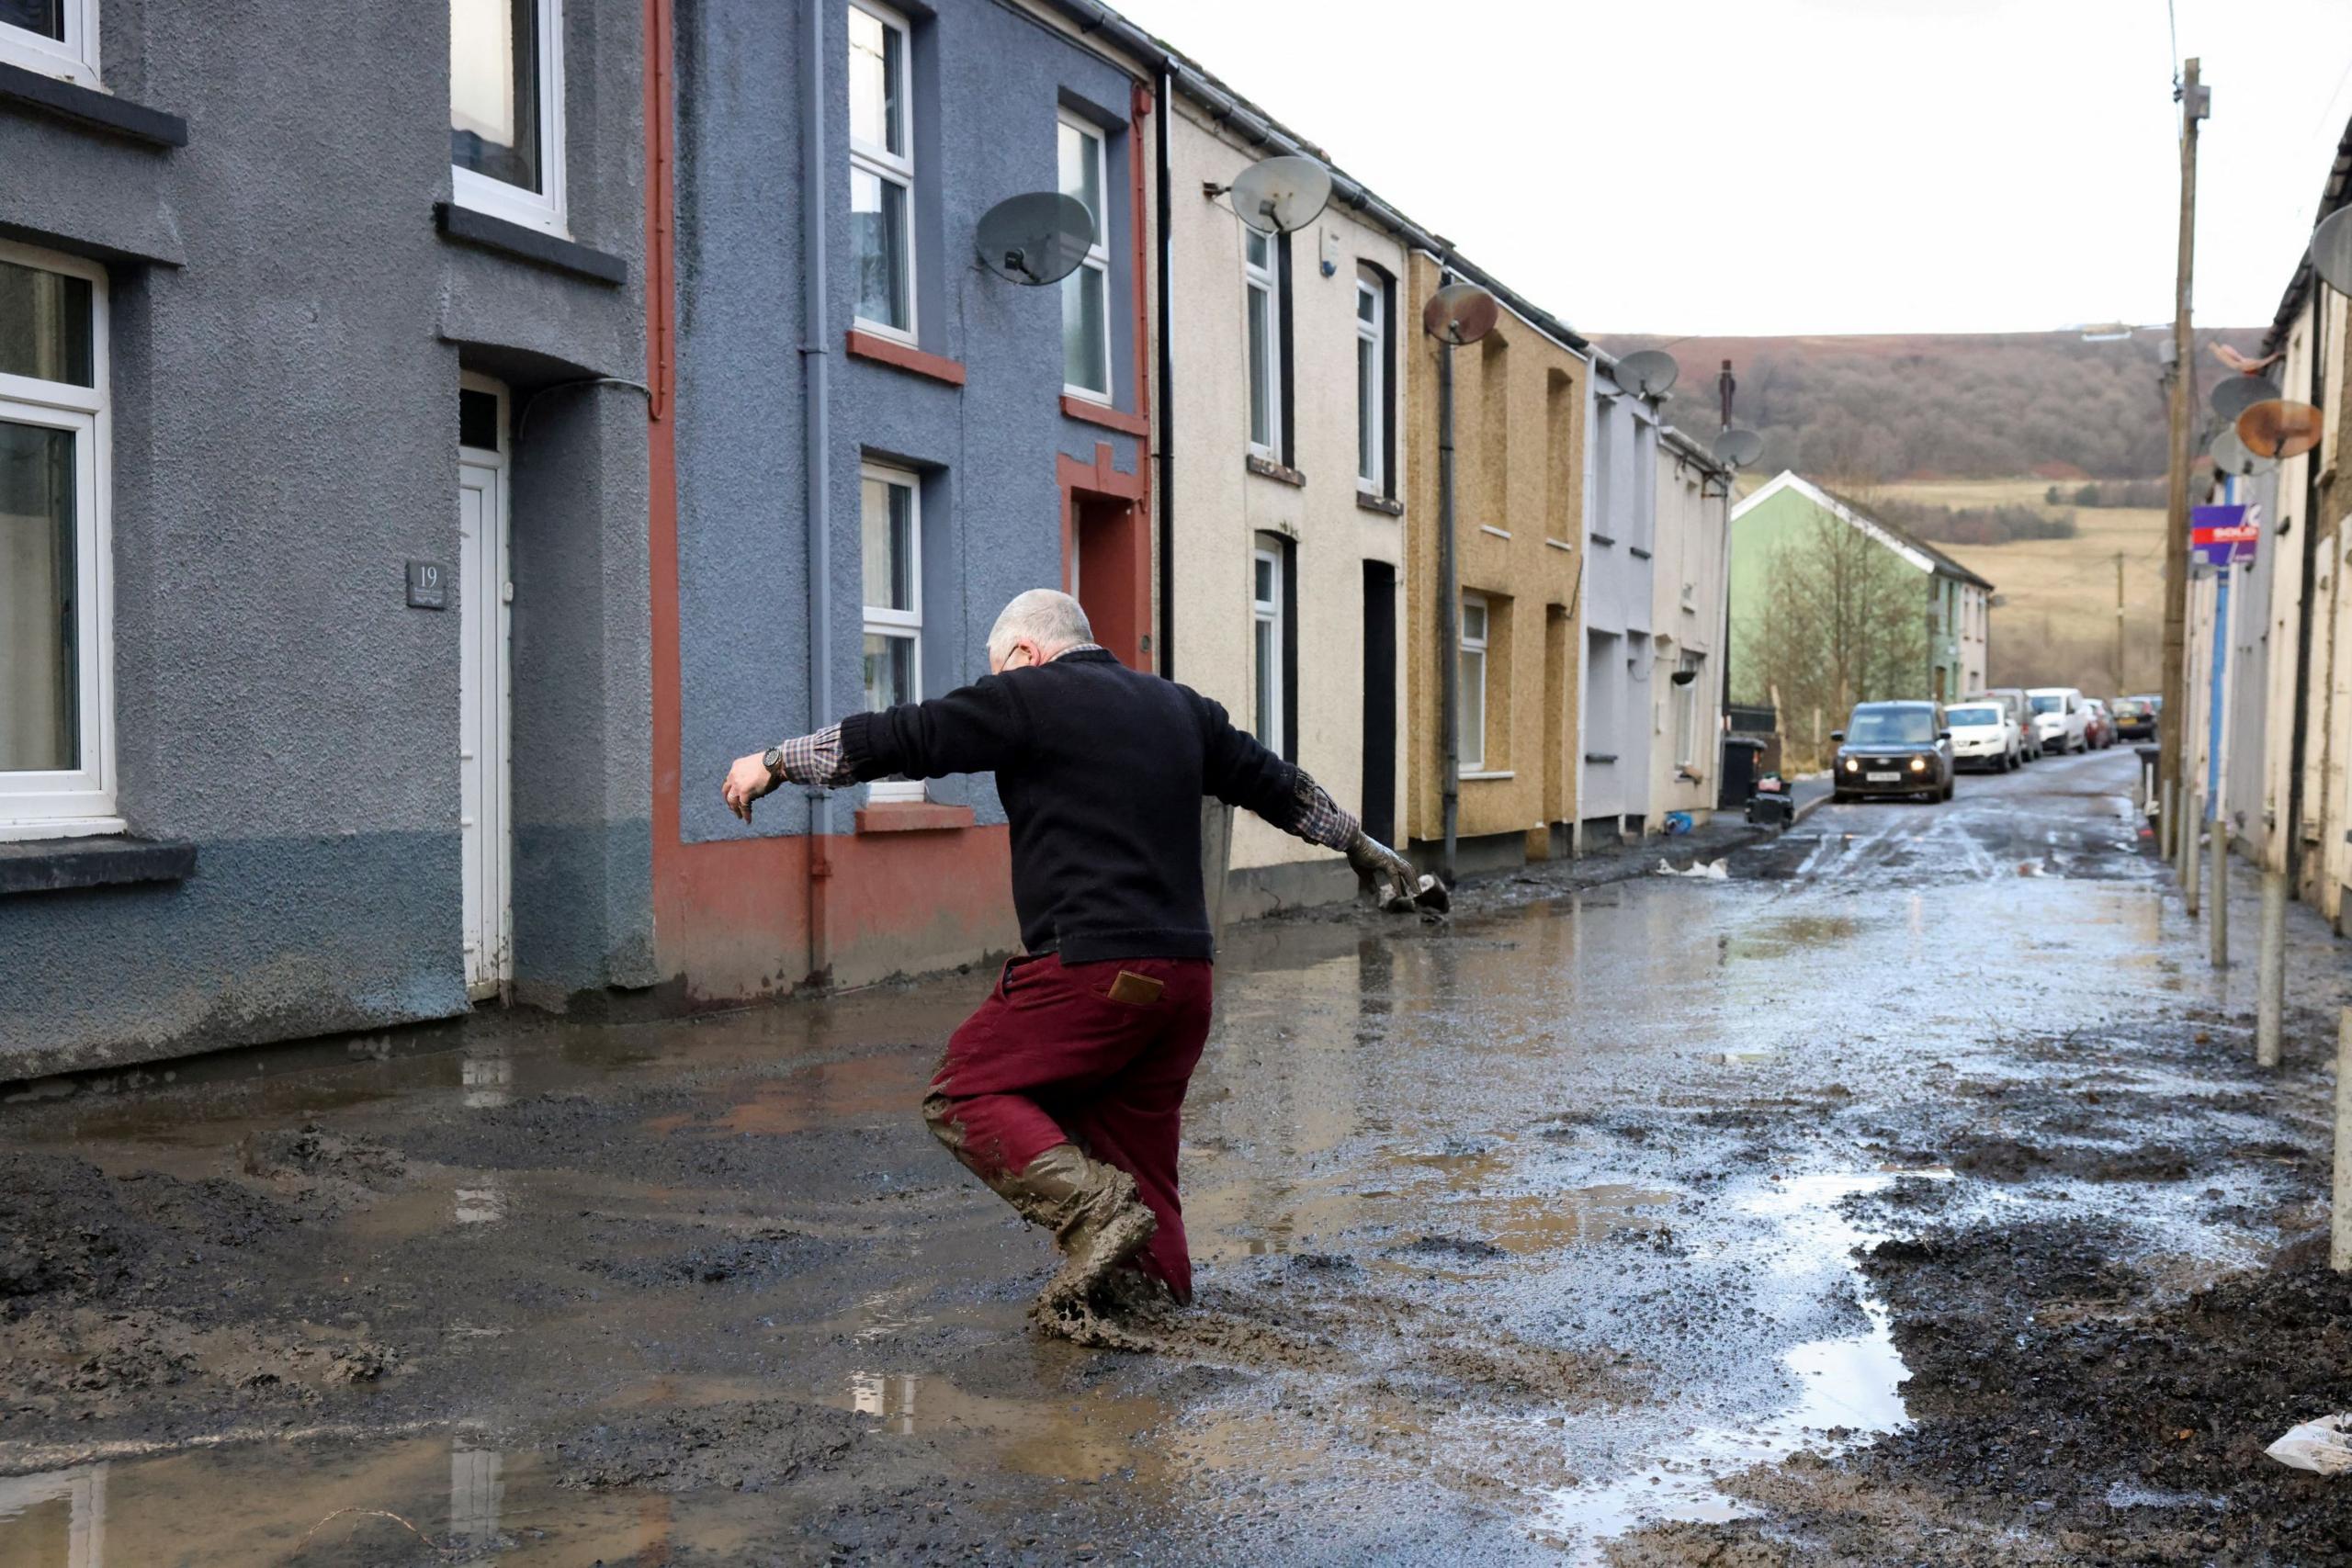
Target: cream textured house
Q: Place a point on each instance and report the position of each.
(1289, 532)
(1689, 582)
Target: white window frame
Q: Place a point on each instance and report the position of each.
(894, 168)
(1486, 661)
(73, 58)
(1686, 717)
(57, 803)
(1263, 284)
(1373, 334)
(907, 625)
(545, 207)
(1098, 254)
(1269, 613)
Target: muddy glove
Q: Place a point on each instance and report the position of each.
(1390, 872)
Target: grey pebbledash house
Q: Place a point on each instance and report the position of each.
(324, 627)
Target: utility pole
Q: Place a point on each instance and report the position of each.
(2120, 684)
(1449, 610)
(2192, 95)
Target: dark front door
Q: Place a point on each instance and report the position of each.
(1379, 797)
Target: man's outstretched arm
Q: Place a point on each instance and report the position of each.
(1242, 772)
(971, 729)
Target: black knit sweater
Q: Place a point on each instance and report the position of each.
(1102, 769)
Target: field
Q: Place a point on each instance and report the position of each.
(2053, 612)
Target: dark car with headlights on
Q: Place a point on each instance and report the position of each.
(2135, 718)
(1892, 749)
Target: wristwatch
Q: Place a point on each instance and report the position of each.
(774, 758)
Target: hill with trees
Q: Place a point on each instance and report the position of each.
(1871, 411)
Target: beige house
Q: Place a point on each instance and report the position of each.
(1520, 396)
(1289, 479)
(1689, 585)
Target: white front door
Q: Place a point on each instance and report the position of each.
(482, 590)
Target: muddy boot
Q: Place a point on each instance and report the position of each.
(1092, 1208)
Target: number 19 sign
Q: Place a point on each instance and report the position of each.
(2221, 534)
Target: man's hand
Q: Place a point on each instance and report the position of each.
(747, 781)
(1383, 866)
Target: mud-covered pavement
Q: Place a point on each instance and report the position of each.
(1908, 1197)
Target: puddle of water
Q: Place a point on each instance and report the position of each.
(391, 1502)
(1543, 1220)
(1848, 1390)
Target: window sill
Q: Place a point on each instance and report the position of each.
(1280, 473)
(1498, 532)
(54, 866)
(1478, 777)
(1602, 539)
(901, 356)
(913, 816)
(468, 226)
(89, 107)
(1558, 544)
(1607, 759)
(1103, 415)
(1388, 506)
(1637, 552)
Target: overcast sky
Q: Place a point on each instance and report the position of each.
(1771, 166)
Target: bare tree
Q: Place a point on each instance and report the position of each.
(1844, 621)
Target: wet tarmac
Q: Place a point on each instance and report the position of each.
(1641, 1223)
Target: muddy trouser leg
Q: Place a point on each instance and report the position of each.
(1136, 1121)
(1024, 1070)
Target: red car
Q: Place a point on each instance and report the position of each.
(2098, 726)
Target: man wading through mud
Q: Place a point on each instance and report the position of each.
(1066, 1090)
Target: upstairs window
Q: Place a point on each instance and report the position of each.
(506, 110)
(56, 38)
(56, 651)
(1372, 384)
(881, 171)
(1262, 302)
(1086, 292)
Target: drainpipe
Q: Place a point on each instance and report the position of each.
(1162, 113)
(1449, 605)
(816, 422)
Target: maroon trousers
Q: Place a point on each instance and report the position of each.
(1064, 1054)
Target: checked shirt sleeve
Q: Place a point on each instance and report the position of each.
(1320, 821)
(817, 759)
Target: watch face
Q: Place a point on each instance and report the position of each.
(773, 759)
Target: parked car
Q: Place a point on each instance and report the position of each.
(2135, 718)
(2057, 716)
(1892, 749)
(2098, 730)
(2014, 699)
(1984, 736)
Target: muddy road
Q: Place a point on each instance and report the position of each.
(1907, 1196)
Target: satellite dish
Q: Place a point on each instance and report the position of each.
(2229, 456)
(1460, 313)
(1281, 195)
(1035, 238)
(2232, 395)
(1740, 447)
(2332, 250)
(1649, 373)
(2280, 428)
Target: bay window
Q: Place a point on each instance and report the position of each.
(506, 110)
(1086, 292)
(881, 171)
(56, 658)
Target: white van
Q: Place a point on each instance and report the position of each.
(2058, 716)
(1984, 735)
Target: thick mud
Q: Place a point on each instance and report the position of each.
(1904, 1197)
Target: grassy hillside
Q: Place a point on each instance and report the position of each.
(1865, 410)
(2053, 620)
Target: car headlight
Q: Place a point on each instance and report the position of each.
(1918, 764)
(1852, 766)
